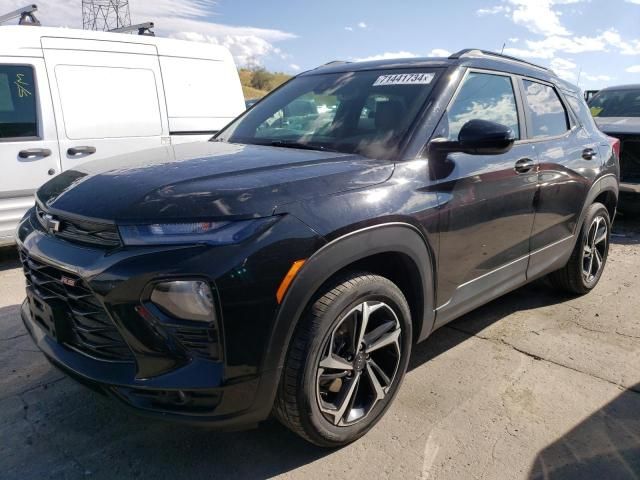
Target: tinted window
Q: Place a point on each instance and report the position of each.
(365, 112)
(548, 116)
(616, 103)
(17, 102)
(486, 97)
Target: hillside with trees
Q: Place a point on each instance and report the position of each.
(257, 82)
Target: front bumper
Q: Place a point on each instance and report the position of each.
(162, 377)
(179, 395)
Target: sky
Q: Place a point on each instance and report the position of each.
(594, 43)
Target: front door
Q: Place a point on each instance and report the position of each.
(28, 142)
(487, 201)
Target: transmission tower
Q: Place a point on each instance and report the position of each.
(105, 15)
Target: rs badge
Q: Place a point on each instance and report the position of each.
(68, 281)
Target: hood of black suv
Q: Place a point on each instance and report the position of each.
(205, 180)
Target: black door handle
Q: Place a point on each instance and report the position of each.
(588, 153)
(34, 152)
(524, 165)
(75, 151)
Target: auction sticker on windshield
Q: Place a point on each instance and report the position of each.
(404, 79)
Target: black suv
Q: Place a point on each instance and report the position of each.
(617, 113)
(290, 264)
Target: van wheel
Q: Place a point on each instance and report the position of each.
(346, 361)
(584, 269)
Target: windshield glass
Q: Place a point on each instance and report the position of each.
(616, 103)
(366, 112)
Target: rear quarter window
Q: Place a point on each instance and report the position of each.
(581, 110)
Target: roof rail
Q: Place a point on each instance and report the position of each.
(334, 62)
(467, 51)
(142, 28)
(26, 16)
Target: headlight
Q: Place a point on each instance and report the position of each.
(185, 300)
(212, 233)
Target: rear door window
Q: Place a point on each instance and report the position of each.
(18, 112)
(548, 117)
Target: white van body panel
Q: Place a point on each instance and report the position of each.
(115, 93)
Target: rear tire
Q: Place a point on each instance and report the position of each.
(589, 257)
(346, 360)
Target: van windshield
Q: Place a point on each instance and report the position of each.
(616, 103)
(366, 112)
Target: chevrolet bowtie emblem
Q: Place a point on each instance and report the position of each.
(51, 224)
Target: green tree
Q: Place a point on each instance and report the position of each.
(261, 79)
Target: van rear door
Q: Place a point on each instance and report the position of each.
(108, 97)
(29, 153)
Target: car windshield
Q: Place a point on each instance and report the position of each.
(365, 112)
(616, 103)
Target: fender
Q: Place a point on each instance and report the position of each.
(339, 253)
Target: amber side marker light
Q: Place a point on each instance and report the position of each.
(288, 278)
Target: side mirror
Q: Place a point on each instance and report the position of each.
(478, 137)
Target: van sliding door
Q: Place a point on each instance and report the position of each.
(107, 98)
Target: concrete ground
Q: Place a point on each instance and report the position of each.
(534, 385)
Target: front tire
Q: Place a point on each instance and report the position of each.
(584, 269)
(346, 361)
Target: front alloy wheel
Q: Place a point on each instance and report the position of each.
(359, 363)
(346, 361)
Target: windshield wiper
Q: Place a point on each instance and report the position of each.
(300, 145)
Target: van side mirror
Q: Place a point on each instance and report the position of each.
(478, 137)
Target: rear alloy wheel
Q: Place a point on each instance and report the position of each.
(346, 360)
(586, 264)
(595, 248)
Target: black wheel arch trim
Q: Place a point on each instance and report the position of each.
(397, 237)
(605, 183)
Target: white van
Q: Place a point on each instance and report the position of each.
(69, 96)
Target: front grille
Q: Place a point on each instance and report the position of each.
(80, 231)
(629, 157)
(81, 321)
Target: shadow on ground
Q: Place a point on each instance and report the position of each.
(604, 446)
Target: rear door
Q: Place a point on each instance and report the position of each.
(108, 98)
(569, 161)
(28, 142)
